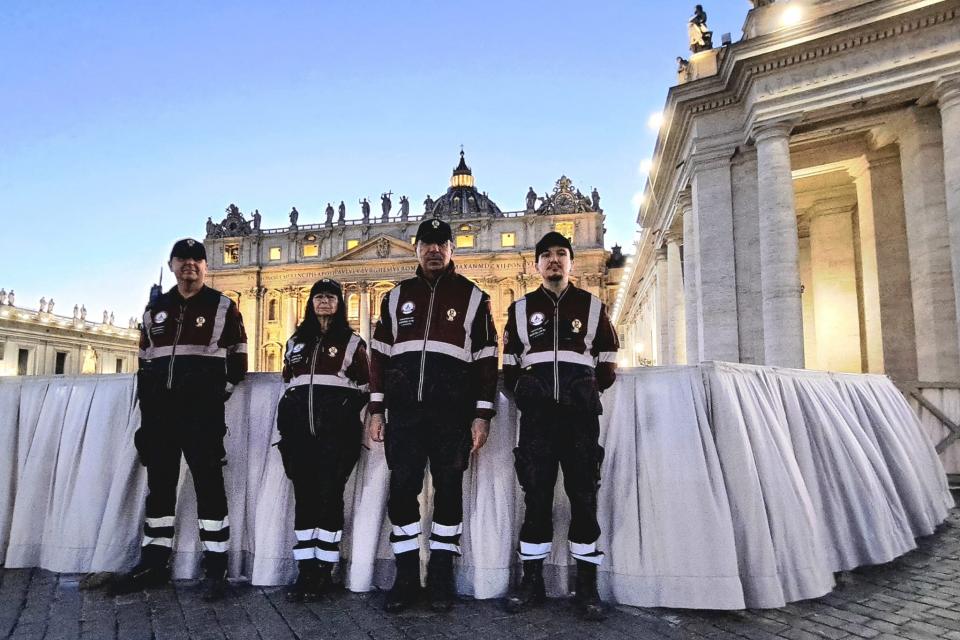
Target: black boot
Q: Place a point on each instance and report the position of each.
(531, 592)
(214, 576)
(587, 600)
(406, 586)
(151, 571)
(440, 588)
(306, 570)
(320, 583)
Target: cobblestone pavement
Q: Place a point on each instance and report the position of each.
(916, 596)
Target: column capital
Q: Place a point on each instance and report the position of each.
(661, 253)
(709, 159)
(685, 201)
(947, 92)
(762, 130)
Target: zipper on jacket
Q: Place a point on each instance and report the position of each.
(313, 364)
(426, 335)
(556, 346)
(173, 352)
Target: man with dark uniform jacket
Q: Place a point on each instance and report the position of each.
(559, 354)
(434, 369)
(193, 350)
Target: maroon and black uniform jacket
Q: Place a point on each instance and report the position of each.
(435, 342)
(561, 348)
(327, 379)
(198, 341)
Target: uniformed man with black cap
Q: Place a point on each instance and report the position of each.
(559, 354)
(434, 370)
(193, 350)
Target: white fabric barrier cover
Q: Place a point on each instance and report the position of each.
(724, 486)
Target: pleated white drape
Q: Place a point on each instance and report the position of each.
(724, 486)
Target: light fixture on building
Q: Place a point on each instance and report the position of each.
(792, 15)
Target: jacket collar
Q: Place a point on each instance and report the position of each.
(450, 270)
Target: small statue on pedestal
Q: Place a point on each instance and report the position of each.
(329, 212)
(404, 208)
(341, 213)
(701, 38)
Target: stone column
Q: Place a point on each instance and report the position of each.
(834, 288)
(779, 272)
(691, 282)
(871, 339)
(676, 334)
(248, 310)
(289, 311)
(928, 241)
(948, 99)
(661, 303)
(880, 189)
(713, 229)
(365, 311)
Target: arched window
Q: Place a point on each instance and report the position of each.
(353, 306)
(271, 357)
(272, 315)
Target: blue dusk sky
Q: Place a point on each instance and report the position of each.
(124, 125)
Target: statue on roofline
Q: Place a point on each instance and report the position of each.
(701, 38)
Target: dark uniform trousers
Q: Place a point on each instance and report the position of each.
(187, 420)
(318, 466)
(418, 433)
(551, 436)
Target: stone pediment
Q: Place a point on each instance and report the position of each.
(382, 247)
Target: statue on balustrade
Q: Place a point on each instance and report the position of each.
(3, 296)
(701, 38)
(43, 304)
(50, 306)
(428, 205)
(341, 213)
(294, 216)
(83, 312)
(329, 213)
(404, 208)
(365, 210)
(531, 199)
(11, 298)
(385, 205)
(595, 199)
(256, 219)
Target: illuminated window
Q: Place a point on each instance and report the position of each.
(353, 306)
(464, 227)
(564, 229)
(231, 254)
(413, 239)
(311, 250)
(271, 357)
(508, 239)
(274, 253)
(465, 240)
(352, 243)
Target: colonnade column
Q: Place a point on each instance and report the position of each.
(661, 303)
(676, 350)
(712, 192)
(365, 311)
(691, 283)
(928, 241)
(833, 271)
(289, 312)
(948, 95)
(779, 270)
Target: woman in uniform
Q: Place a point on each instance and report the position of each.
(325, 368)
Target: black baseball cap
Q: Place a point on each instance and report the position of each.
(326, 285)
(553, 239)
(188, 248)
(434, 230)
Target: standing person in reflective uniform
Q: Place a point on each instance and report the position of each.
(434, 368)
(559, 354)
(325, 368)
(193, 350)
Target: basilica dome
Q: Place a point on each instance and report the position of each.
(462, 200)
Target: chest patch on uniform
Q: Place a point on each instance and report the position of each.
(407, 308)
(576, 325)
(451, 314)
(297, 348)
(536, 319)
(332, 351)
(200, 321)
(160, 317)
